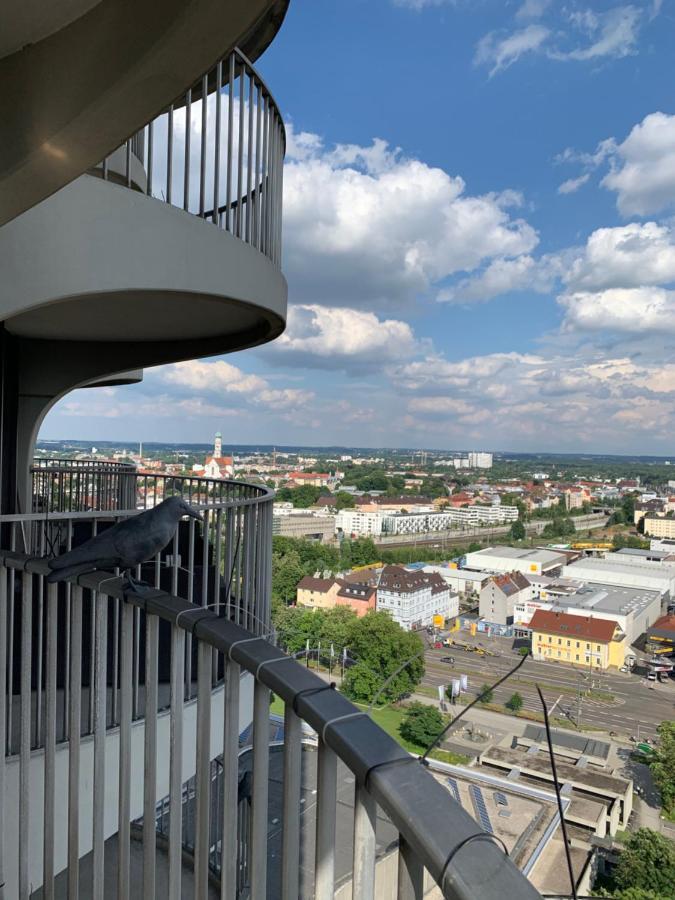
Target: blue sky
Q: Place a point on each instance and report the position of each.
(478, 233)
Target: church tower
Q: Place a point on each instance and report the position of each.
(218, 445)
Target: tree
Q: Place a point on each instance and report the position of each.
(361, 683)
(517, 530)
(515, 702)
(486, 694)
(663, 765)
(287, 572)
(382, 646)
(344, 500)
(421, 724)
(363, 552)
(647, 862)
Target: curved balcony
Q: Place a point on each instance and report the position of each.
(90, 73)
(100, 787)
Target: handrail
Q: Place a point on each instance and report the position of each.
(435, 832)
(236, 180)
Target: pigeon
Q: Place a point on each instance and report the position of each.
(127, 544)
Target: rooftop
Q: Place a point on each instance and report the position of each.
(568, 625)
(611, 598)
(545, 557)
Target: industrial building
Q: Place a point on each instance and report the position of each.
(303, 525)
(515, 559)
(647, 575)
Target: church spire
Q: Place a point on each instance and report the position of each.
(218, 445)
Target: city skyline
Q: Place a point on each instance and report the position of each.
(493, 259)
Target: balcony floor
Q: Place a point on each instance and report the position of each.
(136, 893)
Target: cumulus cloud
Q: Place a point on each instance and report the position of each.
(627, 256)
(365, 225)
(340, 337)
(643, 167)
(503, 276)
(219, 377)
(633, 310)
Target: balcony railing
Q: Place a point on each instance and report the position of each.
(52, 805)
(216, 152)
(79, 485)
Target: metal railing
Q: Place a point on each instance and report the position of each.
(217, 152)
(435, 833)
(223, 563)
(65, 485)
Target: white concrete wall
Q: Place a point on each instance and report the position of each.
(36, 810)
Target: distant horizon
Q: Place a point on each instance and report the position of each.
(325, 448)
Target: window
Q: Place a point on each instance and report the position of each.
(569, 644)
(597, 647)
(577, 656)
(559, 641)
(577, 648)
(588, 659)
(550, 638)
(588, 647)
(558, 653)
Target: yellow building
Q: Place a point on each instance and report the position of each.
(659, 526)
(317, 593)
(583, 641)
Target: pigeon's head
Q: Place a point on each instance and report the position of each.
(181, 508)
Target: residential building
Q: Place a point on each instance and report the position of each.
(480, 460)
(575, 497)
(583, 641)
(647, 575)
(327, 593)
(424, 523)
(414, 598)
(499, 596)
(659, 526)
(515, 559)
(314, 479)
(644, 508)
(354, 523)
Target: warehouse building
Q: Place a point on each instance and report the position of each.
(460, 581)
(516, 559)
(649, 576)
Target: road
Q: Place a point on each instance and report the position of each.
(637, 701)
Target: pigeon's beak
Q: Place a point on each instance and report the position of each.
(194, 513)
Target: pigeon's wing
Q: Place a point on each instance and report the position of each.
(102, 546)
(141, 539)
(69, 571)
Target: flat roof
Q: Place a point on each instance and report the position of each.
(598, 570)
(542, 556)
(610, 598)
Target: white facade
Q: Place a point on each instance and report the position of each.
(480, 460)
(648, 576)
(512, 559)
(417, 608)
(459, 580)
(363, 524)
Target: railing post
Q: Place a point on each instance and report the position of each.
(365, 821)
(410, 873)
(176, 763)
(261, 761)
(74, 726)
(3, 721)
(290, 848)
(326, 787)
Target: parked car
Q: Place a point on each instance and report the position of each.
(448, 659)
(651, 676)
(624, 669)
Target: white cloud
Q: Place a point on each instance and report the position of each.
(633, 310)
(532, 9)
(501, 52)
(339, 337)
(573, 184)
(502, 276)
(643, 170)
(613, 33)
(367, 225)
(628, 256)
(220, 377)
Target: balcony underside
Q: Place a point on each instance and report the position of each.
(117, 267)
(78, 80)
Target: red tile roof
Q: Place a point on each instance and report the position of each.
(567, 625)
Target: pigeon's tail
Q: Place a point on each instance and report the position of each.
(68, 571)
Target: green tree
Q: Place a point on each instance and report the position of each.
(486, 694)
(361, 683)
(295, 626)
(344, 500)
(515, 702)
(382, 646)
(517, 530)
(421, 724)
(663, 765)
(647, 862)
(336, 627)
(363, 552)
(287, 572)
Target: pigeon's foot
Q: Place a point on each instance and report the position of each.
(134, 586)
